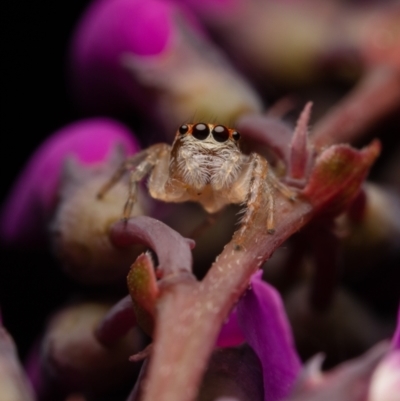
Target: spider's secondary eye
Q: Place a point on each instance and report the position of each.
(183, 129)
(235, 135)
(201, 131)
(220, 133)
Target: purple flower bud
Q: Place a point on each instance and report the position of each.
(72, 357)
(107, 30)
(153, 56)
(34, 196)
(385, 381)
(13, 383)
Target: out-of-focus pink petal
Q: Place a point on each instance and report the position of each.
(396, 336)
(153, 56)
(263, 320)
(13, 382)
(108, 30)
(385, 381)
(33, 197)
(71, 358)
(230, 334)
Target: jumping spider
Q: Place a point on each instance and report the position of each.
(205, 165)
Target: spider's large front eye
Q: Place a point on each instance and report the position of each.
(183, 129)
(201, 131)
(220, 133)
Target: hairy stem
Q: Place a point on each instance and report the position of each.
(189, 315)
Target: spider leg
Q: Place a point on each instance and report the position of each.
(258, 189)
(136, 176)
(141, 164)
(128, 164)
(281, 187)
(270, 209)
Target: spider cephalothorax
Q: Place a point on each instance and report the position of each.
(206, 154)
(205, 165)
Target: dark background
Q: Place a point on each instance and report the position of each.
(35, 102)
(34, 88)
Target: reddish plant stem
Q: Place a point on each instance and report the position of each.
(192, 313)
(377, 95)
(172, 249)
(281, 107)
(117, 322)
(299, 155)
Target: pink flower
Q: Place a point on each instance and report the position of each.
(153, 56)
(107, 30)
(261, 319)
(33, 198)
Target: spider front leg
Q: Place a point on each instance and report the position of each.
(259, 189)
(141, 164)
(125, 166)
(136, 176)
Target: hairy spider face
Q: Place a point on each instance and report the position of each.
(205, 154)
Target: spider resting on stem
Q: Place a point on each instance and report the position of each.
(205, 165)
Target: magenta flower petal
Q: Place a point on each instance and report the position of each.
(108, 30)
(153, 56)
(148, 36)
(263, 320)
(230, 334)
(396, 336)
(34, 195)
